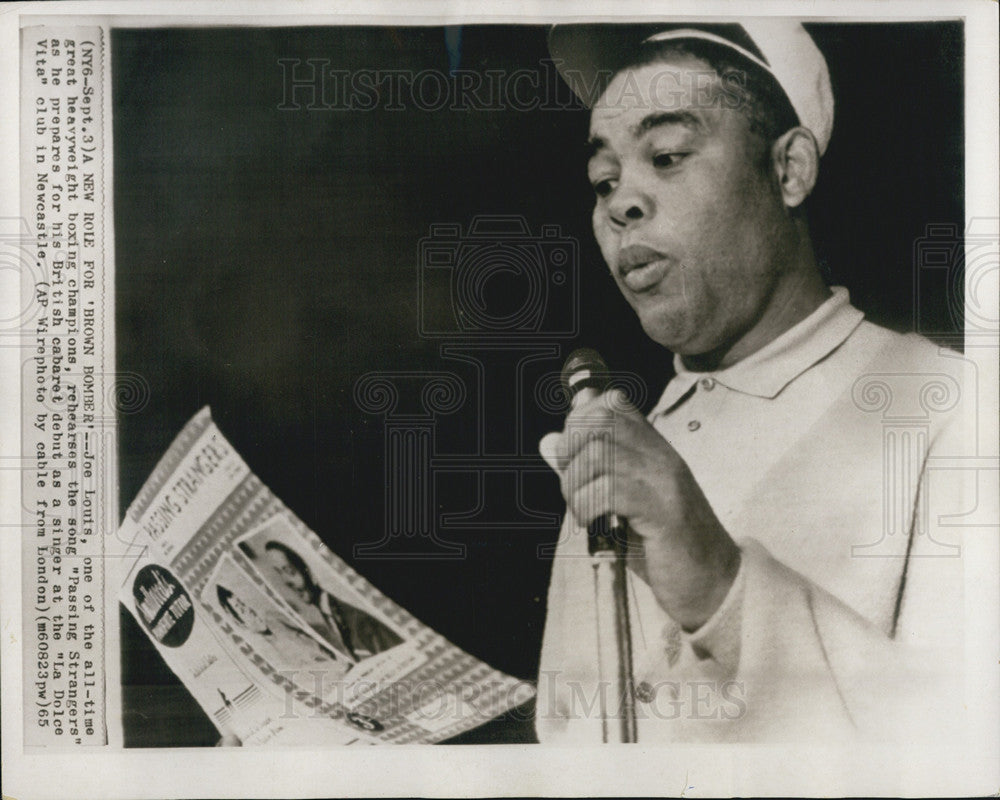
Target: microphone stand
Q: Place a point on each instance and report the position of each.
(607, 544)
(584, 376)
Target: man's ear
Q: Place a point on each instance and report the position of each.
(795, 158)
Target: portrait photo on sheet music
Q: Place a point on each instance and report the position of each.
(317, 593)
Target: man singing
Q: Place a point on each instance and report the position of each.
(796, 578)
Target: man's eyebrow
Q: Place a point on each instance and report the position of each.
(686, 119)
(593, 145)
(655, 120)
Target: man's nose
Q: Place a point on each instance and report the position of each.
(629, 204)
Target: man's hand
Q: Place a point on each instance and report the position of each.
(611, 460)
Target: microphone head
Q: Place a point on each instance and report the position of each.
(584, 369)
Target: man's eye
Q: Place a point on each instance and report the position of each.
(603, 188)
(663, 160)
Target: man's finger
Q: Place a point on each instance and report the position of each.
(603, 407)
(596, 457)
(592, 500)
(552, 450)
(616, 401)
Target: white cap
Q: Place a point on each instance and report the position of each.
(586, 54)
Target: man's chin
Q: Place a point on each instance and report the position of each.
(671, 331)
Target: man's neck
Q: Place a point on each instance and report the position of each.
(795, 298)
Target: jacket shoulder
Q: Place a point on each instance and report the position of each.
(907, 375)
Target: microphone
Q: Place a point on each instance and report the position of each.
(584, 376)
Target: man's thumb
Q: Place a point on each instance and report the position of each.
(551, 449)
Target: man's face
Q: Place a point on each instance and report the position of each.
(687, 215)
(249, 616)
(290, 577)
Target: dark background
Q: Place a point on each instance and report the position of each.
(266, 259)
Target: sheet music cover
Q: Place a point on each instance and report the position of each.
(277, 638)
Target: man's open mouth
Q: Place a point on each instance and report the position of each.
(641, 268)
